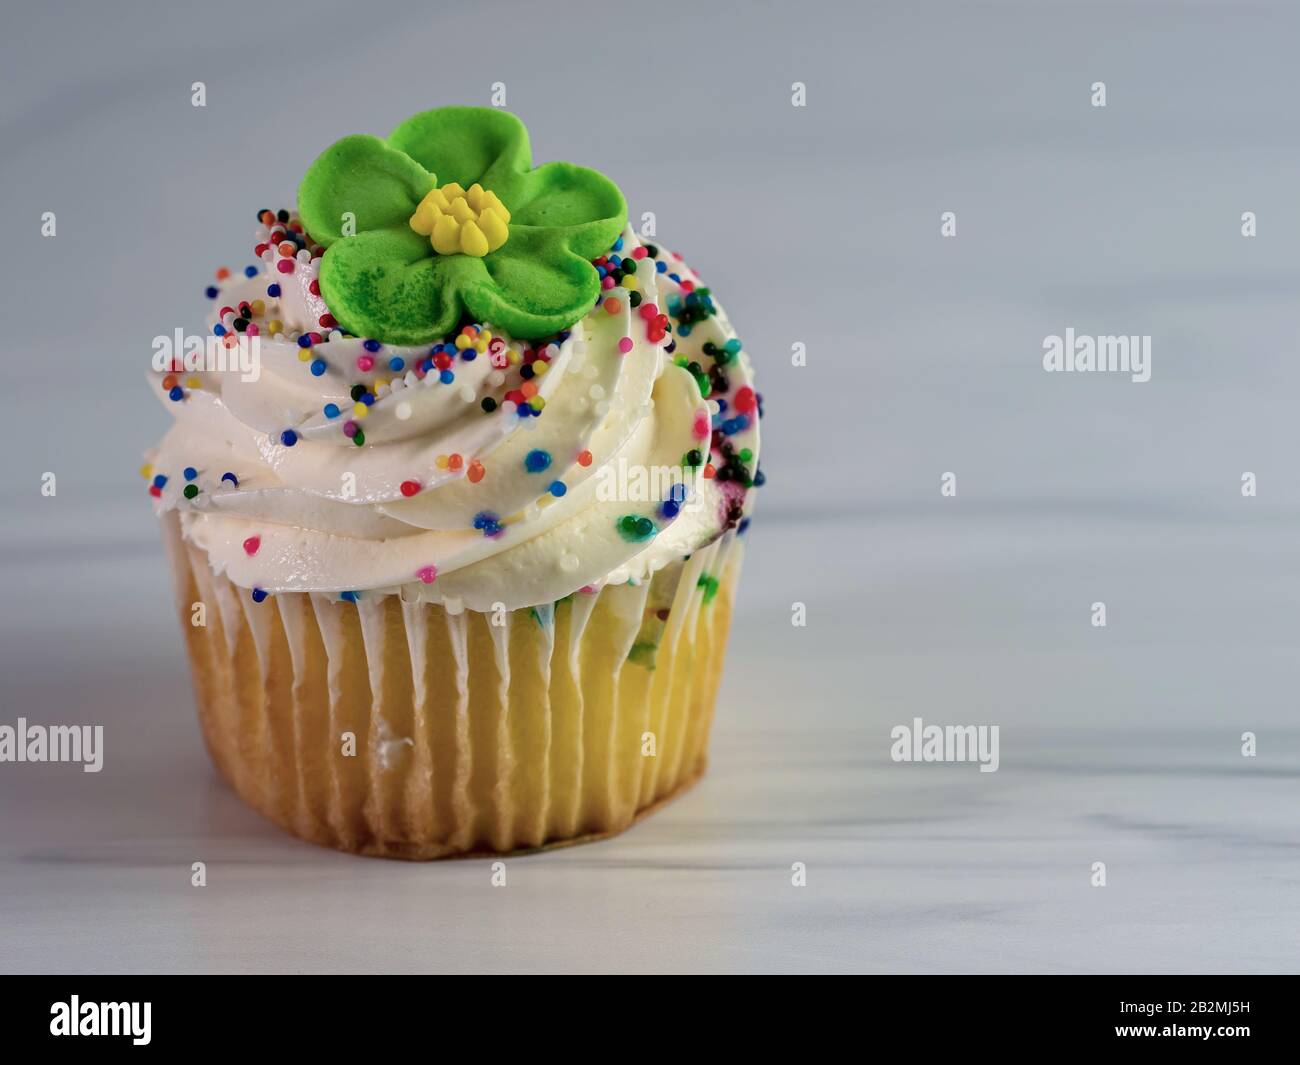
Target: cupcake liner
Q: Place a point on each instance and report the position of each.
(559, 724)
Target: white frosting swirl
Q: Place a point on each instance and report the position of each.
(326, 515)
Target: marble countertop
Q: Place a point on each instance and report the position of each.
(1119, 745)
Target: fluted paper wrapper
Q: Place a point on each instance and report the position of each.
(552, 725)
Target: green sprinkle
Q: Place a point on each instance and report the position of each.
(191, 490)
(636, 527)
(710, 586)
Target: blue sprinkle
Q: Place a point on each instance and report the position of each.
(601, 272)
(227, 476)
(318, 367)
(537, 460)
(661, 267)
(371, 345)
(288, 438)
(304, 341)
(348, 597)
(669, 509)
(219, 330)
(677, 493)
(159, 481)
(273, 291)
(190, 473)
(368, 399)
(468, 355)
(331, 410)
(258, 595)
(446, 377)
(744, 522)
(558, 488)
(212, 292)
(250, 271)
(675, 277)
(395, 364)
(176, 394)
(618, 244)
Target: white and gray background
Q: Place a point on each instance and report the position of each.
(818, 225)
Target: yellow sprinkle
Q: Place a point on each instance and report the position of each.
(146, 471)
(486, 336)
(304, 354)
(275, 326)
(441, 462)
(257, 307)
(359, 410)
(192, 382)
(514, 358)
(537, 403)
(539, 368)
(462, 342)
(630, 281)
(480, 345)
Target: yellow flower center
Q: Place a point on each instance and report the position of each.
(462, 222)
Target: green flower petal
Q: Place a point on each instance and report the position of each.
(385, 284)
(468, 144)
(584, 203)
(362, 175)
(535, 285)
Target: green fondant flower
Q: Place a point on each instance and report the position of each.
(448, 216)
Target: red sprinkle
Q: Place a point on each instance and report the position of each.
(409, 488)
(252, 544)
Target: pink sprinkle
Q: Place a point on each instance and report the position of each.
(638, 253)
(701, 426)
(588, 589)
(687, 286)
(253, 329)
(365, 363)
(349, 429)
(285, 266)
(252, 544)
(625, 345)
(428, 574)
(607, 282)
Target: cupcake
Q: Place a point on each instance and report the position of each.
(454, 498)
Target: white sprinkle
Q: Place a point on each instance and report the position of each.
(568, 563)
(403, 411)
